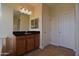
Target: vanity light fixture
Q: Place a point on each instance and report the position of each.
(25, 11)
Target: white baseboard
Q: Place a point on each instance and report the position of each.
(54, 44)
(41, 46)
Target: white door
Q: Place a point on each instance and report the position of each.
(66, 29)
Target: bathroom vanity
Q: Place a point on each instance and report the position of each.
(26, 42)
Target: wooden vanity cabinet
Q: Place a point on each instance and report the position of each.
(29, 43)
(36, 40)
(26, 43)
(20, 45)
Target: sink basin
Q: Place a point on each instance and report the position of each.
(27, 33)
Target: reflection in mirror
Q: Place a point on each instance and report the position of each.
(20, 21)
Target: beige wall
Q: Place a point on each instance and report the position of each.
(37, 14)
(46, 25)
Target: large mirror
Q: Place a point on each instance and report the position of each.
(20, 21)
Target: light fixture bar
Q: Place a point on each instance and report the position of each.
(25, 11)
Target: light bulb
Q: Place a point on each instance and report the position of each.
(22, 10)
(26, 11)
(29, 13)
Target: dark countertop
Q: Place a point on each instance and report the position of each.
(22, 33)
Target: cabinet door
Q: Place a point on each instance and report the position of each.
(20, 46)
(36, 41)
(29, 43)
